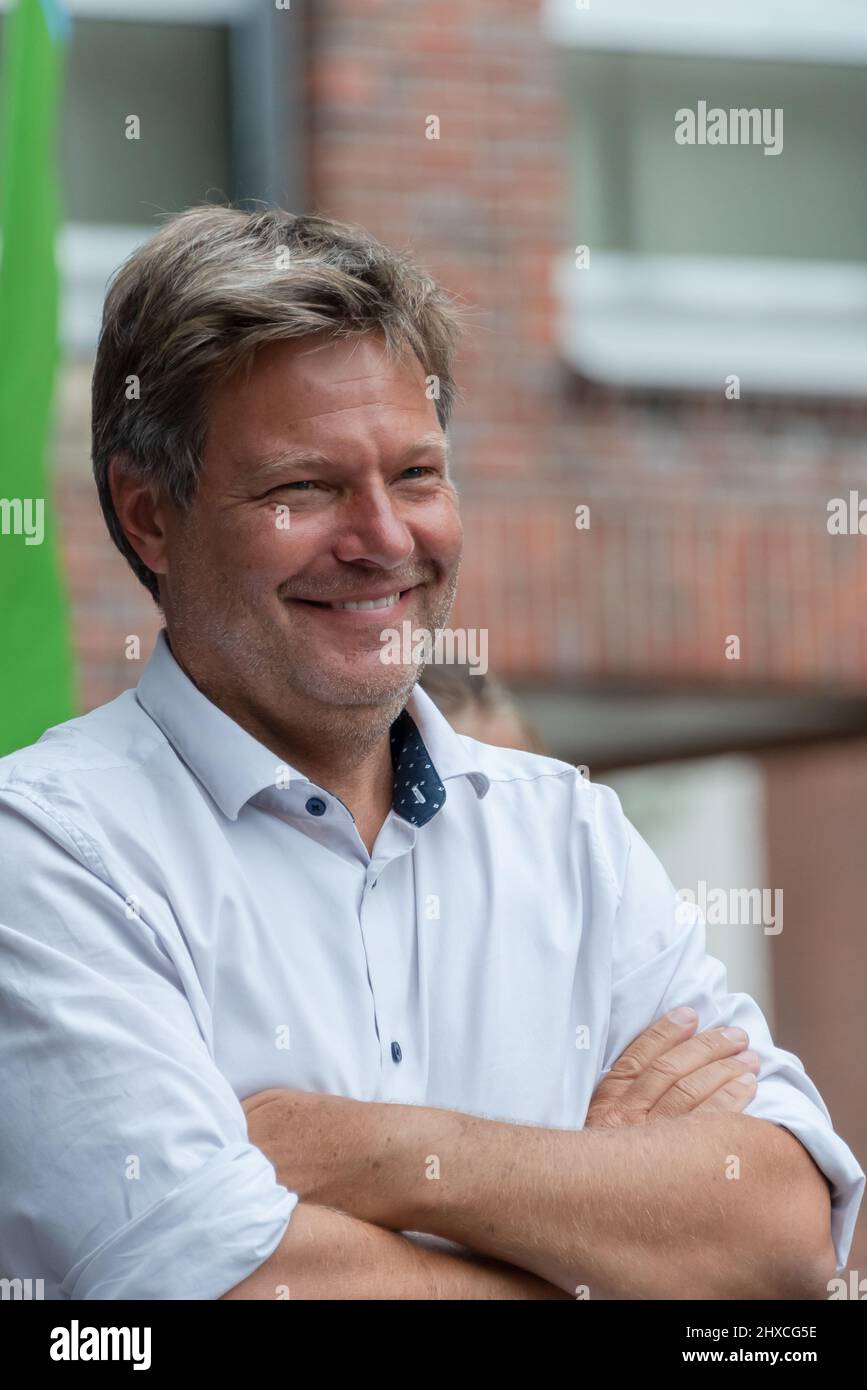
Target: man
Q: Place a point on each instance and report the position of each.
(446, 985)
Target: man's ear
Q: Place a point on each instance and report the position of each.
(140, 511)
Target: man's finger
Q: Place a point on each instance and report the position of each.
(734, 1095)
(699, 1086)
(680, 1064)
(667, 1032)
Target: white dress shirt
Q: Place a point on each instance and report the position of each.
(185, 921)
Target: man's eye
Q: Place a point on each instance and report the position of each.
(297, 483)
(307, 484)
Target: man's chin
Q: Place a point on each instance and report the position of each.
(366, 684)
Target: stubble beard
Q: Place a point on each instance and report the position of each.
(251, 672)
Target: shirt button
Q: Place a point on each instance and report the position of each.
(396, 1052)
(316, 806)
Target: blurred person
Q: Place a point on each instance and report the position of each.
(297, 980)
(479, 706)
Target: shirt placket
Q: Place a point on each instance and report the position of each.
(389, 932)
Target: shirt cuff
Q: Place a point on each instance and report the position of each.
(197, 1242)
(778, 1101)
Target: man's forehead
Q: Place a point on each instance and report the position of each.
(299, 404)
(287, 393)
(338, 373)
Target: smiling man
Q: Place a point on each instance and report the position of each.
(325, 514)
(304, 994)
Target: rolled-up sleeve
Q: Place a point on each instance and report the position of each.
(660, 961)
(127, 1170)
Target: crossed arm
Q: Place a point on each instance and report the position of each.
(668, 1192)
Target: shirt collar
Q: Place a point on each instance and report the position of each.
(233, 766)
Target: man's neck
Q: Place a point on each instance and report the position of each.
(366, 789)
(346, 749)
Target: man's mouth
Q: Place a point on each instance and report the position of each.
(358, 605)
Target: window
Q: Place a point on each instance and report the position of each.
(706, 822)
(204, 81)
(708, 260)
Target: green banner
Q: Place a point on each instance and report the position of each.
(36, 679)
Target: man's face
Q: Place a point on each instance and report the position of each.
(271, 544)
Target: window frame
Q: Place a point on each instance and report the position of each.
(775, 30)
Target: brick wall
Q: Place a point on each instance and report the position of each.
(708, 516)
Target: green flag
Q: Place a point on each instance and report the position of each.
(36, 682)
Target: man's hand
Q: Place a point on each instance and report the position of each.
(666, 1072)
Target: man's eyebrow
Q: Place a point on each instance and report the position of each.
(298, 457)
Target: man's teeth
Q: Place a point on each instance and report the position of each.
(369, 603)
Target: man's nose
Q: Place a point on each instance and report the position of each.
(370, 528)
